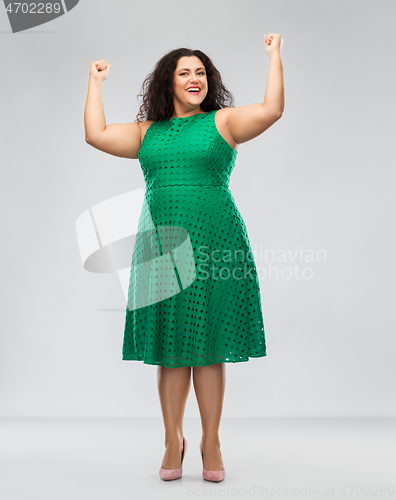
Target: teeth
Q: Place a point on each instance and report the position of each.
(193, 88)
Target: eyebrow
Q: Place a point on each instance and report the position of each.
(186, 69)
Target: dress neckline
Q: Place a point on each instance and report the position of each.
(186, 117)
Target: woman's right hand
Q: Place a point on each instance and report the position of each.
(99, 70)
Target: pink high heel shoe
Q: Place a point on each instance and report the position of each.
(168, 474)
(211, 475)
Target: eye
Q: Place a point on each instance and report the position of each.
(200, 73)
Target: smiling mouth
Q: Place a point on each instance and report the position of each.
(194, 91)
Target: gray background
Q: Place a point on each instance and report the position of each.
(321, 178)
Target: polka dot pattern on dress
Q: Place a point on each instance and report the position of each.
(194, 295)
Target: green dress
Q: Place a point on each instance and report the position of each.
(194, 295)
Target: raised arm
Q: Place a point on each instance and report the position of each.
(119, 139)
(247, 122)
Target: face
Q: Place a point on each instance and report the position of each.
(190, 72)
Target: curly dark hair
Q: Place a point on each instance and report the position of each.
(157, 88)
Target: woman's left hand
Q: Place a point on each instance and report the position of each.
(272, 42)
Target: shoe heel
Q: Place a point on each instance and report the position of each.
(211, 475)
(170, 474)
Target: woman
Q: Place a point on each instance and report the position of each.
(193, 297)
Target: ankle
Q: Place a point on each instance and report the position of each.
(173, 440)
(211, 439)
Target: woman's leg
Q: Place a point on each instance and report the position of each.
(173, 388)
(209, 385)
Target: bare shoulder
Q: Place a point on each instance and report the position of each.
(143, 126)
(221, 121)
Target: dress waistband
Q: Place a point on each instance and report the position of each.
(222, 186)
